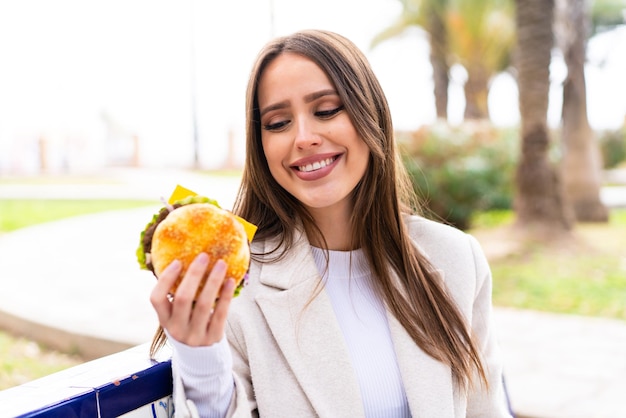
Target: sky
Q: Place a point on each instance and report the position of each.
(148, 66)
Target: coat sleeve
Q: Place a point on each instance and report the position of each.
(202, 379)
(491, 401)
(242, 403)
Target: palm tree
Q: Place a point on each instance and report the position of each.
(539, 199)
(481, 36)
(477, 34)
(581, 166)
(438, 41)
(426, 14)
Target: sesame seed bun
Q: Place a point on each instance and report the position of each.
(200, 227)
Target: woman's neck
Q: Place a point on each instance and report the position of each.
(336, 228)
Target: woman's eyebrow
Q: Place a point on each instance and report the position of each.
(307, 98)
(275, 106)
(317, 94)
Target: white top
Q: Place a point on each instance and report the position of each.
(363, 322)
(207, 371)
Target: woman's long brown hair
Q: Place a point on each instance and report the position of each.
(381, 199)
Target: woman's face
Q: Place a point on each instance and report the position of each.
(311, 146)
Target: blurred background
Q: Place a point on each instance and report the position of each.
(154, 83)
(510, 116)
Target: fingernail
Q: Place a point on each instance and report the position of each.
(229, 285)
(203, 258)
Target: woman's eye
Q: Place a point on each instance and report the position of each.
(328, 113)
(277, 126)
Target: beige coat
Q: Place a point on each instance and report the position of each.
(291, 361)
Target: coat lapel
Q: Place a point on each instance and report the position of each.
(427, 382)
(308, 333)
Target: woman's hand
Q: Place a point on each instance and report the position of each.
(200, 322)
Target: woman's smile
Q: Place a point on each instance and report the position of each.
(315, 168)
(317, 165)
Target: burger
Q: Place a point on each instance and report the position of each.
(184, 229)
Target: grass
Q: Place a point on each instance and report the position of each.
(26, 212)
(22, 360)
(584, 275)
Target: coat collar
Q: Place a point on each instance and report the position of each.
(427, 382)
(295, 267)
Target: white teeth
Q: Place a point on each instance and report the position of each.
(316, 165)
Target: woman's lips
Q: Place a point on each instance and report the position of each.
(315, 169)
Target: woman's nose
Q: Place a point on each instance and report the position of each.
(305, 135)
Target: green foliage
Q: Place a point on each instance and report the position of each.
(613, 147)
(607, 14)
(492, 218)
(458, 171)
(481, 33)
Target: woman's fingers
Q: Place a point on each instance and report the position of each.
(185, 295)
(203, 316)
(220, 313)
(159, 296)
(205, 302)
(190, 317)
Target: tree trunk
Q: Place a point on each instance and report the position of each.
(476, 93)
(439, 62)
(581, 167)
(538, 201)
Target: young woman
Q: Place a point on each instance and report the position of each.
(356, 306)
